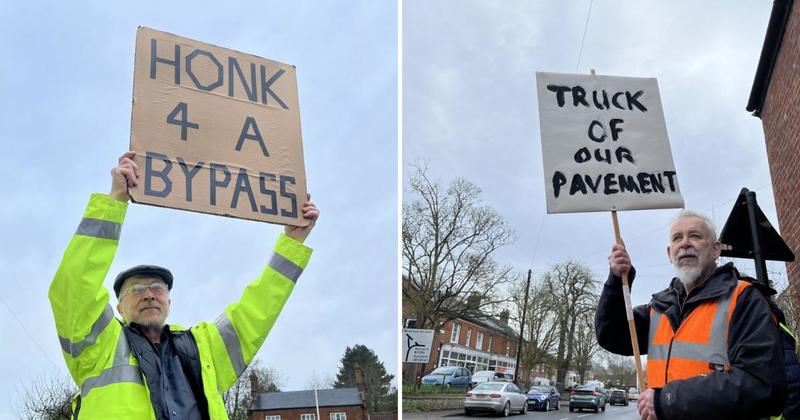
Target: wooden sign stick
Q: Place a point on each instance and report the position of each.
(626, 292)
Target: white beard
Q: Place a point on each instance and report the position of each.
(689, 275)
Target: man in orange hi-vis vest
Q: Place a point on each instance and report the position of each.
(713, 349)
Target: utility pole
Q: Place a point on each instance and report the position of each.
(522, 327)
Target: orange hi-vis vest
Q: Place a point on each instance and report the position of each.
(699, 347)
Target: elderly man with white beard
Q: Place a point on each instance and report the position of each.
(713, 349)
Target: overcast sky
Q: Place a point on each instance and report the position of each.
(66, 84)
(470, 109)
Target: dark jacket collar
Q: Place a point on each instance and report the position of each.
(721, 281)
(139, 329)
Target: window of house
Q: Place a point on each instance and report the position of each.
(453, 336)
(338, 416)
(479, 341)
(469, 337)
(489, 347)
(272, 417)
(308, 416)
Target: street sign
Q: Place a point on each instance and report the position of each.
(416, 345)
(216, 131)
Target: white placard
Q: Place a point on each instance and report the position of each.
(604, 144)
(416, 345)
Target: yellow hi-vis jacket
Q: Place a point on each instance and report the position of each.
(96, 350)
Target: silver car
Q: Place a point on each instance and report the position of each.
(487, 376)
(496, 397)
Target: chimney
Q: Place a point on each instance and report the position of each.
(254, 389)
(474, 301)
(362, 390)
(504, 317)
(360, 380)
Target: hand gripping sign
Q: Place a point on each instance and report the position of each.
(605, 147)
(216, 131)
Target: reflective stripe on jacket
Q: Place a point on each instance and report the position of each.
(699, 347)
(98, 355)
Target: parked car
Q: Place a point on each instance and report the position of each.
(588, 397)
(496, 397)
(486, 376)
(618, 396)
(543, 397)
(633, 393)
(449, 376)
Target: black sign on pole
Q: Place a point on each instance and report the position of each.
(748, 234)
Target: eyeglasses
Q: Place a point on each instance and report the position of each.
(138, 289)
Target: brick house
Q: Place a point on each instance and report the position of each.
(334, 404)
(775, 99)
(476, 342)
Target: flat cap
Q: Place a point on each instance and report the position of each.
(143, 270)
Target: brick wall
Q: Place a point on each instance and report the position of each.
(443, 336)
(781, 121)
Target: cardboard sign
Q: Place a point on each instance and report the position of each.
(604, 144)
(216, 131)
(417, 345)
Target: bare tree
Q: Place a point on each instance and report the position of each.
(449, 238)
(789, 302)
(574, 292)
(320, 381)
(615, 369)
(47, 397)
(586, 345)
(541, 329)
(238, 398)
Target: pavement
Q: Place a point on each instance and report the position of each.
(612, 412)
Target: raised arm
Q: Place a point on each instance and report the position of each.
(79, 301)
(239, 332)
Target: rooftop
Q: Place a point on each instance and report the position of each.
(305, 399)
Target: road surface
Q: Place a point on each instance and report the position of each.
(612, 412)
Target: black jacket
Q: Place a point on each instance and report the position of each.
(172, 371)
(755, 386)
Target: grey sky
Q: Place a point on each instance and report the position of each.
(470, 109)
(66, 86)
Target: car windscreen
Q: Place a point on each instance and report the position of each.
(488, 387)
(444, 371)
(482, 375)
(585, 388)
(540, 389)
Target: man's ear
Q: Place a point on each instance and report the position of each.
(119, 309)
(717, 249)
(669, 255)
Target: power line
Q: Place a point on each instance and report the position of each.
(28, 332)
(585, 28)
